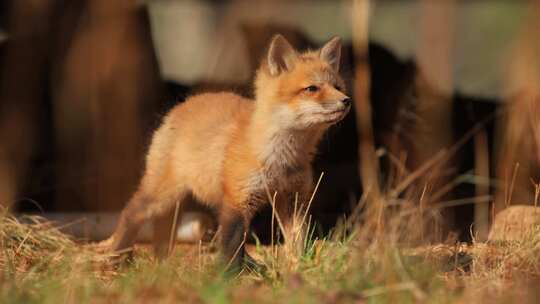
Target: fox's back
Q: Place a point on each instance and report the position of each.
(189, 147)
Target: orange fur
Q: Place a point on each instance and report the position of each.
(228, 151)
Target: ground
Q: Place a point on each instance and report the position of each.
(39, 264)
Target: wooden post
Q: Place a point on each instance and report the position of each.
(434, 87)
(481, 209)
(369, 168)
(107, 86)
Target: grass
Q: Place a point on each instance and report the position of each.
(39, 264)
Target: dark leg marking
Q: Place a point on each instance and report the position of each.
(233, 233)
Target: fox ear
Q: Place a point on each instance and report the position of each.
(331, 52)
(281, 55)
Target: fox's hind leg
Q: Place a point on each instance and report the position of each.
(141, 208)
(164, 233)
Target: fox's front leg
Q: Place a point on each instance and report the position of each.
(234, 226)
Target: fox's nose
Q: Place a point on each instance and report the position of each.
(346, 102)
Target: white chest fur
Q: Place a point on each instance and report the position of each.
(285, 161)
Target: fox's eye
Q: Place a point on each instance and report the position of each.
(312, 89)
(338, 87)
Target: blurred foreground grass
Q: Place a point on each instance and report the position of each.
(39, 264)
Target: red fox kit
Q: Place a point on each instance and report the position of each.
(228, 151)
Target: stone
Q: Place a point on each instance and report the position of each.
(515, 223)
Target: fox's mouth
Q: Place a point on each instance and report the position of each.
(335, 116)
(313, 116)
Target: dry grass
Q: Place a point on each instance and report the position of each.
(40, 264)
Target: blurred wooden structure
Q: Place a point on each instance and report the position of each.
(22, 86)
(107, 81)
(519, 156)
(89, 67)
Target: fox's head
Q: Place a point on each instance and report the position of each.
(302, 90)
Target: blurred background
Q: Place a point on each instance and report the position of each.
(447, 98)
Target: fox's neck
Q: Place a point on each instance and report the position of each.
(278, 147)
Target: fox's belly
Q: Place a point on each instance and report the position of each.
(199, 169)
(207, 190)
